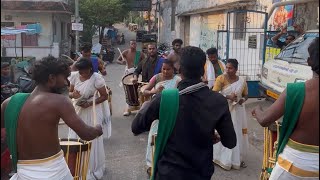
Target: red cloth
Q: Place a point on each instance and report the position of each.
(5, 161)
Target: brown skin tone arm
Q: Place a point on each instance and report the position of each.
(277, 36)
(69, 116)
(102, 91)
(148, 91)
(101, 67)
(273, 113)
(120, 60)
(103, 95)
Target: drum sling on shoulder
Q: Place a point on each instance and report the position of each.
(169, 107)
(137, 59)
(11, 117)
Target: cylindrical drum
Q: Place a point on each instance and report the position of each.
(77, 156)
(131, 90)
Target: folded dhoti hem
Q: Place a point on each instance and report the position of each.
(303, 147)
(51, 168)
(39, 161)
(299, 163)
(289, 167)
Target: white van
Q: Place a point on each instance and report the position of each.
(289, 66)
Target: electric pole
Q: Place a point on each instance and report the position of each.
(77, 18)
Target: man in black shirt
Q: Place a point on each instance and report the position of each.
(147, 67)
(188, 152)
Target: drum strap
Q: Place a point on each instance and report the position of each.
(169, 107)
(293, 107)
(11, 117)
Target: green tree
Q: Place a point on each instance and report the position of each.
(98, 14)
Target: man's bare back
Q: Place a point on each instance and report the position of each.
(37, 131)
(307, 128)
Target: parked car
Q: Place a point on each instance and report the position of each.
(289, 66)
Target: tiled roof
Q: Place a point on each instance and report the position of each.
(35, 6)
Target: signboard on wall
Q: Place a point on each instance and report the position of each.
(140, 5)
(77, 26)
(252, 42)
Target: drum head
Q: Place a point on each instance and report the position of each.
(127, 79)
(74, 145)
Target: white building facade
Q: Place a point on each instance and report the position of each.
(54, 22)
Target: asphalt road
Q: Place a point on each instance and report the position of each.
(125, 153)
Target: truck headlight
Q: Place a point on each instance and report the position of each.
(264, 72)
(299, 80)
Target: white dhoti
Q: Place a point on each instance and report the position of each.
(102, 111)
(232, 158)
(51, 168)
(294, 164)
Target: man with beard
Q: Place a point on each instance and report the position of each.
(174, 56)
(31, 123)
(213, 67)
(149, 67)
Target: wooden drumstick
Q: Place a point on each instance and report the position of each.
(94, 109)
(122, 55)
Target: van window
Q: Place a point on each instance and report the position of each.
(297, 51)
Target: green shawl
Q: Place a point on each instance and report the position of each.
(137, 59)
(11, 116)
(293, 106)
(169, 107)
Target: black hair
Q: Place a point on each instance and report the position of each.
(48, 66)
(192, 62)
(5, 64)
(314, 55)
(152, 44)
(234, 63)
(290, 35)
(168, 62)
(179, 41)
(211, 51)
(86, 47)
(73, 54)
(83, 64)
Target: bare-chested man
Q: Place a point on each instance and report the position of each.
(32, 131)
(298, 146)
(174, 56)
(132, 57)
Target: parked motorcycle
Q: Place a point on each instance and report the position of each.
(108, 54)
(8, 90)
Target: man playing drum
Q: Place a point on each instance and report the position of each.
(132, 57)
(298, 144)
(31, 122)
(149, 67)
(187, 154)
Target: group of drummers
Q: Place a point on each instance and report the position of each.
(282, 143)
(191, 103)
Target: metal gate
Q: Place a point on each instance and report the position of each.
(244, 40)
